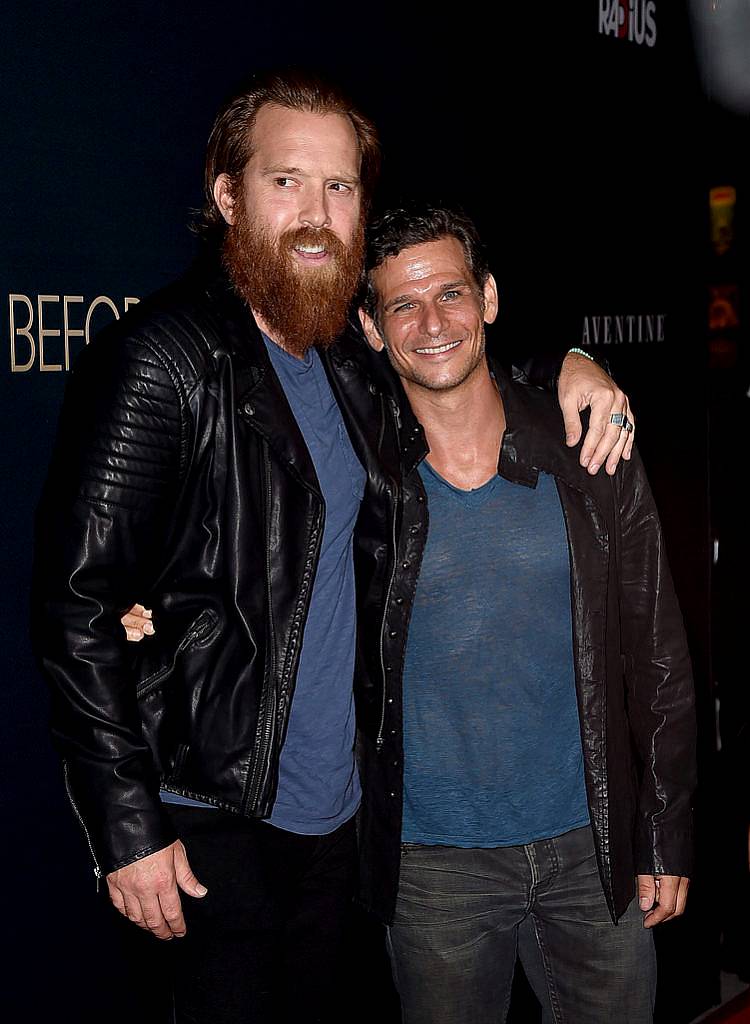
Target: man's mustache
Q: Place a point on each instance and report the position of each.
(295, 237)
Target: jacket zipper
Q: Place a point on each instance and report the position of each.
(394, 541)
(264, 740)
(605, 860)
(98, 874)
(202, 625)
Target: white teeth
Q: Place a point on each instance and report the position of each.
(312, 250)
(438, 348)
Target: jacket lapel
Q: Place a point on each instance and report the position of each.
(259, 397)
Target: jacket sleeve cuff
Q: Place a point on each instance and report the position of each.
(542, 369)
(663, 851)
(126, 826)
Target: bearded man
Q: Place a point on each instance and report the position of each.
(215, 452)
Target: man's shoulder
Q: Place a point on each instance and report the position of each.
(538, 432)
(182, 326)
(532, 406)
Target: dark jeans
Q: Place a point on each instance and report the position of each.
(267, 943)
(464, 915)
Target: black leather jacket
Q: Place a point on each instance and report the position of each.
(181, 479)
(632, 666)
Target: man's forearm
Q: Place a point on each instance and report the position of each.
(659, 683)
(100, 532)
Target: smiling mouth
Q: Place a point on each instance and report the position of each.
(311, 250)
(437, 349)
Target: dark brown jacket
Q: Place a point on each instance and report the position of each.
(632, 668)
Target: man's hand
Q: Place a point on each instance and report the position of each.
(146, 891)
(584, 383)
(137, 623)
(661, 897)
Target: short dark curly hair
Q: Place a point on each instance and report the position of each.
(414, 224)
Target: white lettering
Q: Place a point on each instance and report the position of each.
(634, 20)
(638, 17)
(650, 23)
(46, 332)
(98, 301)
(15, 366)
(623, 328)
(34, 350)
(68, 331)
(614, 18)
(603, 17)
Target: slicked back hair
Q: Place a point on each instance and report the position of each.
(230, 144)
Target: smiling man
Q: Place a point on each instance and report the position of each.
(501, 812)
(216, 449)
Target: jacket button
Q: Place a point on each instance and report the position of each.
(414, 529)
(390, 700)
(248, 408)
(420, 499)
(399, 600)
(392, 794)
(405, 565)
(393, 634)
(389, 668)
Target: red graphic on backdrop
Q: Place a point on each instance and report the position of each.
(634, 20)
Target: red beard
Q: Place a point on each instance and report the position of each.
(300, 306)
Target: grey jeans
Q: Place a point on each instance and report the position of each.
(464, 915)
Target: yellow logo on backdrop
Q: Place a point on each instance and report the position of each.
(36, 344)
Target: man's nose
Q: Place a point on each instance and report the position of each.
(314, 208)
(433, 320)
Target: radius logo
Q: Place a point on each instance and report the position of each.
(634, 20)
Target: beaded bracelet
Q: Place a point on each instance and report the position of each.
(582, 352)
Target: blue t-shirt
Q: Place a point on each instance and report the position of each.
(492, 746)
(318, 783)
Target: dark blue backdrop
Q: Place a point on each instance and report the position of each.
(571, 144)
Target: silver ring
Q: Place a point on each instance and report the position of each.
(620, 419)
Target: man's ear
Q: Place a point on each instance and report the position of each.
(372, 333)
(224, 197)
(491, 300)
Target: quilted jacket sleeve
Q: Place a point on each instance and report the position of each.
(659, 682)
(105, 513)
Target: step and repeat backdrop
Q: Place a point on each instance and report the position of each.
(568, 131)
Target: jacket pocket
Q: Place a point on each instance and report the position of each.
(199, 633)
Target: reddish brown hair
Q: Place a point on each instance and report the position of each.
(230, 142)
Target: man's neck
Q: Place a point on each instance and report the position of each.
(464, 428)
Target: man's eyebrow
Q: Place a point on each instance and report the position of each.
(397, 300)
(347, 179)
(460, 283)
(281, 169)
